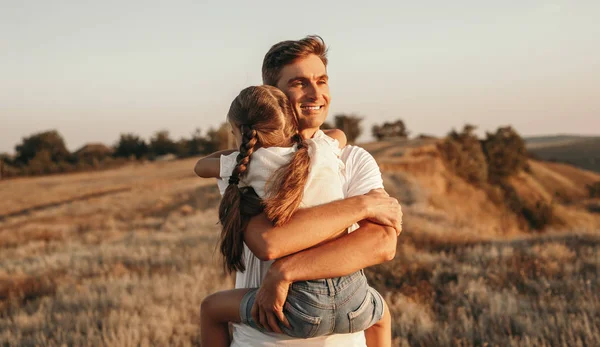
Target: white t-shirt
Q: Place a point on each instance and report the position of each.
(360, 174)
(325, 177)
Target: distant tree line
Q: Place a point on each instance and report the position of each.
(45, 152)
(389, 130)
(350, 124)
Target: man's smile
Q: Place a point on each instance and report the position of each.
(311, 107)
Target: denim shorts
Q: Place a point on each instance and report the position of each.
(338, 305)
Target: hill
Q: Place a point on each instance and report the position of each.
(580, 151)
(549, 140)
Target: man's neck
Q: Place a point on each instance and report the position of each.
(308, 133)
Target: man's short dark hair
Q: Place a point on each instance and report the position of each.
(285, 52)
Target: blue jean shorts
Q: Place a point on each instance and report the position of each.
(338, 305)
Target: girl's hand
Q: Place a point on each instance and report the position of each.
(270, 298)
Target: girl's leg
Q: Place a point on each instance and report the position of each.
(380, 333)
(216, 311)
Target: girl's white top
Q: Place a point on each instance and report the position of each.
(324, 182)
(327, 181)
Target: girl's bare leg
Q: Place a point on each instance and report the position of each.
(380, 333)
(216, 311)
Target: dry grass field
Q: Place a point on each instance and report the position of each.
(124, 258)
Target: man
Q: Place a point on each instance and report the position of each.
(299, 69)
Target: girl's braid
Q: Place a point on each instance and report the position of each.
(249, 140)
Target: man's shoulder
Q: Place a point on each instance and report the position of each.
(353, 154)
(362, 172)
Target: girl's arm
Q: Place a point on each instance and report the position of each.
(338, 135)
(210, 166)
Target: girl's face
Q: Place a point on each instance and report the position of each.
(235, 130)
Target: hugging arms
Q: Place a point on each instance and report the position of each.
(298, 246)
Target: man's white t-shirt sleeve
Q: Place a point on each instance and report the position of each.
(362, 171)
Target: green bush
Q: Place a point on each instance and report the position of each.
(395, 129)
(50, 142)
(505, 153)
(594, 189)
(350, 125)
(463, 155)
(538, 216)
(130, 145)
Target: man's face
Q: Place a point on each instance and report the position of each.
(305, 82)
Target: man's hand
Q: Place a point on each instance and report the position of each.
(383, 209)
(270, 298)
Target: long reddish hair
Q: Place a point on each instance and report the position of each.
(265, 119)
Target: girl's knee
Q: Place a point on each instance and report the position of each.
(209, 305)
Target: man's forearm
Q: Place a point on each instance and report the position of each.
(301, 232)
(371, 244)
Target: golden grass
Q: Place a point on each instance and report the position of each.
(131, 267)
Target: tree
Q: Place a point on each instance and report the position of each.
(7, 168)
(395, 129)
(221, 138)
(42, 164)
(5, 161)
(130, 145)
(350, 125)
(93, 152)
(326, 126)
(49, 141)
(3, 157)
(161, 144)
(463, 155)
(197, 144)
(594, 189)
(505, 153)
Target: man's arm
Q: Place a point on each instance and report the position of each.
(311, 226)
(369, 245)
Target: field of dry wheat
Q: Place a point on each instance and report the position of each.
(124, 257)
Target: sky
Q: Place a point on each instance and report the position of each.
(95, 69)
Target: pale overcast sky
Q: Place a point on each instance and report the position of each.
(95, 69)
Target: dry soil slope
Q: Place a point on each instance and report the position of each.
(414, 172)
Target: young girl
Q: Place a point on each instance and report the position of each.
(287, 173)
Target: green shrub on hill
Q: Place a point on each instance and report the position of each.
(489, 163)
(594, 189)
(463, 155)
(389, 130)
(505, 153)
(535, 217)
(50, 142)
(130, 145)
(350, 125)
